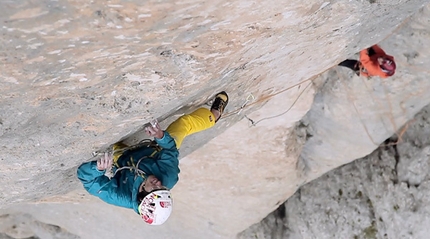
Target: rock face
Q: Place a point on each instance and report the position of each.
(383, 195)
(78, 76)
(25, 226)
(373, 109)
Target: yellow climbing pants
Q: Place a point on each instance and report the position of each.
(117, 152)
(185, 125)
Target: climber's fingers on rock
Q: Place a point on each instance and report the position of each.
(104, 162)
(151, 131)
(100, 164)
(108, 160)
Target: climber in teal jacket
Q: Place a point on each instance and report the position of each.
(143, 174)
(163, 165)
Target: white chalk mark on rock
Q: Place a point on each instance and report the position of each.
(144, 15)
(54, 52)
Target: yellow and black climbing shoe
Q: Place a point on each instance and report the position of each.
(220, 102)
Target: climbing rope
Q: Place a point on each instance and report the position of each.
(133, 168)
(264, 98)
(254, 123)
(352, 100)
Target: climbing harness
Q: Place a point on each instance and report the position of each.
(133, 168)
(120, 150)
(117, 150)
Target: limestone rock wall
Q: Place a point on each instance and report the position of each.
(25, 226)
(351, 116)
(383, 195)
(80, 75)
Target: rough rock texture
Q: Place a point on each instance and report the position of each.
(383, 195)
(373, 108)
(79, 75)
(25, 226)
(350, 116)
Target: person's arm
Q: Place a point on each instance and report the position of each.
(168, 164)
(166, 142)
(163, 139)
(91, 178)
(364, 57)
(91, 174)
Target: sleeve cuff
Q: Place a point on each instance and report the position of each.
(166, 142)
(164, 135)
(163, 138)
(100, 171)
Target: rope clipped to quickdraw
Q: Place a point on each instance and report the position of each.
(264, 98)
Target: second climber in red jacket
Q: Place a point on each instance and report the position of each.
(373, 62)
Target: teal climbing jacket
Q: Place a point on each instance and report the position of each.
(122, 189)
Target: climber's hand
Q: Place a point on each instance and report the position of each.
(104, 162)
(154, 130)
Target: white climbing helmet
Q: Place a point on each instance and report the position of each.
(156, 207)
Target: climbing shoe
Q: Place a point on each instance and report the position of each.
(220, 102)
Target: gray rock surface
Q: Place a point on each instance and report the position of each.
(25, 226)
(363, 199)
(351, 115)
(383, 195)
(78, 76)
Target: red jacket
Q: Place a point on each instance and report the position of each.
(370, 62)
